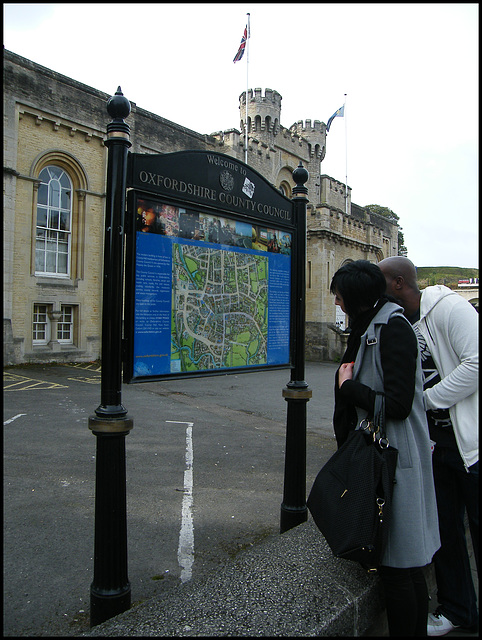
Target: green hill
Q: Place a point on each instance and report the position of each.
(448, 276)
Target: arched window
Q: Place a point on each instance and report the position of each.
(285, 189)
(54, 223)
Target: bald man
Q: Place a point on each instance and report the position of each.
(447, 330)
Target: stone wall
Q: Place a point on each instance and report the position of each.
(51, 119)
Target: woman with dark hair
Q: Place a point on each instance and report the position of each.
(382, 356)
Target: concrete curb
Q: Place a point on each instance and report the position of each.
(288, 585)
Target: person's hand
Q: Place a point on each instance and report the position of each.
(345, 372)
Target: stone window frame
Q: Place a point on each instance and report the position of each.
(66, 324)
(41, 318)
(78, 177)
(285, 189)
(50, 318)
(284, 180)
(57, 231)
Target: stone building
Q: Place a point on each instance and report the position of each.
(54, 195)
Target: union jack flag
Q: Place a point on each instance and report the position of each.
(242, 46)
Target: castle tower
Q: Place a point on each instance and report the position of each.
(263, 112)
(315, 134)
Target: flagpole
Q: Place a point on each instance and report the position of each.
(346, 161)
(247, 88)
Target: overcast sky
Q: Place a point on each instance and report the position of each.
(409, 72)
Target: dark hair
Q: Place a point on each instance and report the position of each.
(360, 284)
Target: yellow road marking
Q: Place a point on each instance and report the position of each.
(95, 380)
(88, 366)
(14, 382)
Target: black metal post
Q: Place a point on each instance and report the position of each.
(297, 393)
(110, 591)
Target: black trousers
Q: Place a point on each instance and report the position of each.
(406, 597)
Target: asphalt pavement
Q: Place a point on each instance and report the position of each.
(235, 427)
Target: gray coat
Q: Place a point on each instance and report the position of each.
(414, 534)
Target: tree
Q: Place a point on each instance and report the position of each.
(392, 216)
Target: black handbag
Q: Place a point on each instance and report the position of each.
(351, 497)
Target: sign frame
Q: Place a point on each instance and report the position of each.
(210, 184)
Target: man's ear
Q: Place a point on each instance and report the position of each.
(399, 282)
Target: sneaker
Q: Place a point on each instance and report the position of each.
(439, 625)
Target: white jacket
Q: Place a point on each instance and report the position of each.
(450, 326)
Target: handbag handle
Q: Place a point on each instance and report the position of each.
(379, 413)
(379, 419)
(376, 426)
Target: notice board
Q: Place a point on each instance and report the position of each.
(209, 260)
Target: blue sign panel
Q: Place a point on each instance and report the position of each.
(211, 293)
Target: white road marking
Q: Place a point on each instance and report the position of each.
(185, 551)
(19, 415)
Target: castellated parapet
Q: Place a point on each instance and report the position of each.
(269, 141)
(264, 112)
(334, 193)
(314, 133)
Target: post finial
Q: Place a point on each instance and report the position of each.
(118, 107)
(300, 176)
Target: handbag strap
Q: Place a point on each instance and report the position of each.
(379, 413)
(379, 420)
(376, 426)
